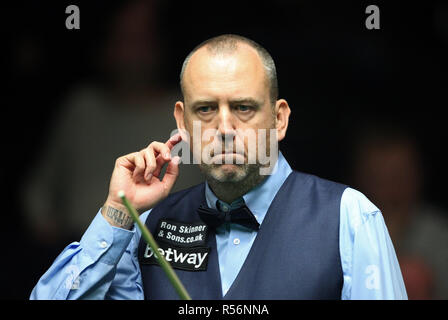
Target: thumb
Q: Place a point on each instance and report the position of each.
(172, 172)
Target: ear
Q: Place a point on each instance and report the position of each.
(179, 112)
(282, 113)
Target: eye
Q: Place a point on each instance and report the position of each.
(204, 109)
(243, 108)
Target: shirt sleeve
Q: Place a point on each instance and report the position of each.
(103, 265)
(370, 265)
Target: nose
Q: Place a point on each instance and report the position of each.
(227, 123)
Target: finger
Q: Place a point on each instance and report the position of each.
(151, 164)
(159, 165)
(157, 154)
(127, 161)
(139, 167)
(159, 148)
(161, 154)
(171, 174)
(172, 141)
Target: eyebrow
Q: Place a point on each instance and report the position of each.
(246, 101)
(203, 102)
(231, 102)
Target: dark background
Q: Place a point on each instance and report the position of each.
(332, 70)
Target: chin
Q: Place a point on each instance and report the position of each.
(227, 172)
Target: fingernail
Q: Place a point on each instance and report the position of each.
(168, 155)
(149, 176)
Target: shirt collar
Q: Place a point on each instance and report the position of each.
(259, 198)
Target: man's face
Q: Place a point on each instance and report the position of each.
(227, 95)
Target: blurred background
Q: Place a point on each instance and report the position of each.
(367, 111)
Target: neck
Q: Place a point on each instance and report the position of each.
(230, 191)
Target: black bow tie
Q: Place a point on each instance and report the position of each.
(241, 215)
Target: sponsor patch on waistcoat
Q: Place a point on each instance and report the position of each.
(182, 245)
(182, 234)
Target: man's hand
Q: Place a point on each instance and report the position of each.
(137, 174)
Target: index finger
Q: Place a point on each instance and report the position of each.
(172, 141)
(160, 161)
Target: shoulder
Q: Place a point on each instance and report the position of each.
(356, 208)
(316, 181)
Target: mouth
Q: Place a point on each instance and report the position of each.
(224, 153)
(228, 158)
(228, 151)
(228, 154)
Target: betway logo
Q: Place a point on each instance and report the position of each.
(182, 258)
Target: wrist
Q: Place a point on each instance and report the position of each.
(117, 215)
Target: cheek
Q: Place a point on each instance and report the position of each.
(267, 119)
(194, 129)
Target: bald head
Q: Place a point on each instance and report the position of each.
(230, 44)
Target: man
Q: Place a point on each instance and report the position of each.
(243, 234)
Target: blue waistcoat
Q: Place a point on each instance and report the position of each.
(295, 254)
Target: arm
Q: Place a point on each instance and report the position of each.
(100, 266)
(103, 264)
(369, 262)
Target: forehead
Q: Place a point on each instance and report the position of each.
(240, 72)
